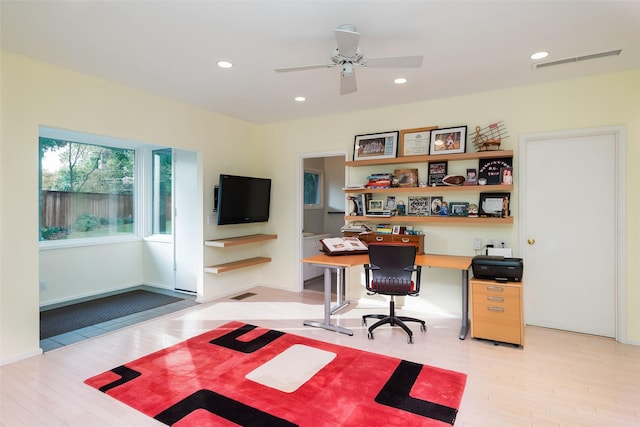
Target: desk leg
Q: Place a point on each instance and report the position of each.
(326, 324)
(341, 286)
(465, 304)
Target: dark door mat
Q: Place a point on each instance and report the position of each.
(76, 316)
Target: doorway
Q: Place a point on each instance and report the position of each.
(323, 216)
(571, 230)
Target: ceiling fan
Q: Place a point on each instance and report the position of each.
(348, 54)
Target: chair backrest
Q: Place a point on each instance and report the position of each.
(392, 267)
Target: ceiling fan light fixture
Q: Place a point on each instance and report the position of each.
(400, 81)
(347, 69)
(225, 64)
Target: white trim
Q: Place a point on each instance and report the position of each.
(47, 245)
(620, 285)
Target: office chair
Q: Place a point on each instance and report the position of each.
(389, 273)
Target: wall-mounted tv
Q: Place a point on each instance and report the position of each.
(243, 199)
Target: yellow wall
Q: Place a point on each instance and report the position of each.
(34, 93)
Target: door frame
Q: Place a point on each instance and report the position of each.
(300, 199)
(619, 133)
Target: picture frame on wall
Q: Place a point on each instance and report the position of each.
(419, 205)
(448, 141)
(376, 146)
(415, 142)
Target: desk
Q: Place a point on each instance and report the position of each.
(462, 263)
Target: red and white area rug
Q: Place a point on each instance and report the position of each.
(240, 374)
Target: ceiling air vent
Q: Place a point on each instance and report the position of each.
(579, 58)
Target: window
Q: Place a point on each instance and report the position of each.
(162, 190)
(313, 188)
(87, 190)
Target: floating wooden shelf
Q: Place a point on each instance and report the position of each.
(440, 189)
(450, 220)
(235, 241)
(240, 240)
(489, 154)
(235, 265)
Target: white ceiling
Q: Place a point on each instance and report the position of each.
(170, 48)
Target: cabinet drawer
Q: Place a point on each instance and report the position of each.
(409, 239)
(495, 289)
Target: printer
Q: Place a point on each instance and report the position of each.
(497, 268)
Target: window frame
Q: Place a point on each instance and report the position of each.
(138, 198)
(320, 188)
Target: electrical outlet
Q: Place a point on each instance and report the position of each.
(477, 244)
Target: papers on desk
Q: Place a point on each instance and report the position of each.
(343, 246)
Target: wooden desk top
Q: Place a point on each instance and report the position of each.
(440, 261)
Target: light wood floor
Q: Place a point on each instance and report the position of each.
(557, 379)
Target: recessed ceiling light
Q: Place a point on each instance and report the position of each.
(225, 64)
(539, 55)
(300, 99)
(400, 81)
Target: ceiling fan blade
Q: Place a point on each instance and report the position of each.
(306, 67)
(347, 40)
(393, 62)
(348, 84)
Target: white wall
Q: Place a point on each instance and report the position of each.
(581, 103)
(34, 94)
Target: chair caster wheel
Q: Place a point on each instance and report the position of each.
(410, 340)
(364, 322)
(370, 335)
(423, 327)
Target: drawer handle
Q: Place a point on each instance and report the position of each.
(405, 240)
(495, 299)
(496, 309)
(495, 288)
(379, 239)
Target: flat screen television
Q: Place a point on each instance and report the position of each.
(243, 199)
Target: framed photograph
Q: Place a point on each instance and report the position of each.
(437, 204)
(472, 177)
(406, 177)
(419, 205)
(396, 229)
(458, 209)
(436, 172)
(390, 205)
(376, 146)
(448, 141)
(506, 175)
(375, 205)
(494, 205)
(415, 142)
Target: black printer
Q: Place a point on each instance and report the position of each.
(497, 268)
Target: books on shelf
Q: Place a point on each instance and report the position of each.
(343, 246)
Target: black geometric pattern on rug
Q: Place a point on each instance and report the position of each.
(126, 374)
(395, 393)
(231, 342)
(76, 316)
(222, 406)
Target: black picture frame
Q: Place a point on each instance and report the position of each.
(494, 205)
(436, 171)
(489, 169)
(376, 146)
(448, 141)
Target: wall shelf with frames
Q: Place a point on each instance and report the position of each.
(450, 220)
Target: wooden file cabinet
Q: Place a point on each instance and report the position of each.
(497, 311)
